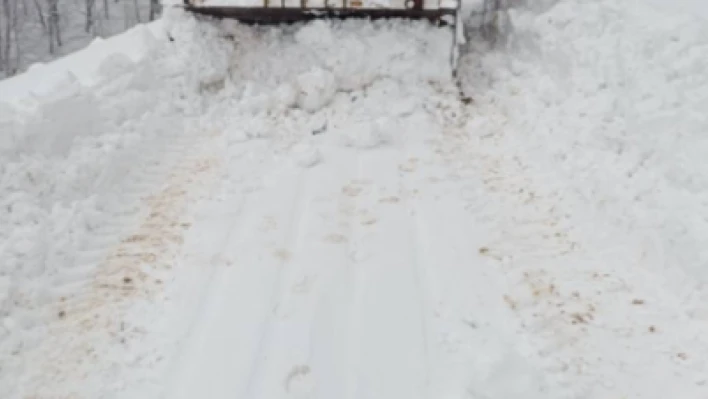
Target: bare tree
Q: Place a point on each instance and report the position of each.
(137, 11)
(90, 6)
(54, 30)
(40, 30)
(2, 46)
(40, 15)
(154, 9)
(5, 54)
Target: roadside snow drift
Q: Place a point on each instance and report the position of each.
(210, 210)
(81, 146)
(619, 115)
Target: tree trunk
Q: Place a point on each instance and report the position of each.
(40, 15)
(137, 11)
(54, 32)
(5, 50)
(90, 6)
(56, 22)
(15, 41)
(2, 53)
(154, 9)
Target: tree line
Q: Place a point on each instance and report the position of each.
(41, 30)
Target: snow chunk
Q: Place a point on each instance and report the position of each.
(237, 135)
(8, 323)
(367, 135)
(317, 124)
(5, 285)
(317, 88)
(52, 85)
(37, 67)
(286, 96)
(259, 126)
(316, 34)
(306, 155)
(237, 131)
(60, 121)
(115, 65)
(9, 126)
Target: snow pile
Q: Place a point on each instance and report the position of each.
(344, 55)
(77, 148)
(306, 155)
(331, 77)
(316, 89)
(203, 53)
(612, 96)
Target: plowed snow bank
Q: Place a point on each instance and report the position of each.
(82, 140)
(608, 100)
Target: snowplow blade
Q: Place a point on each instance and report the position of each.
(269, 12)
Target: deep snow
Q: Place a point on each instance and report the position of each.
(695, 7)
(311, 212)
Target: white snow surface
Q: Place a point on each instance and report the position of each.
(200, 209)
(696, 7)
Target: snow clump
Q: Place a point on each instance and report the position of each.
(306, 155)
(367, 134)
(317, 88)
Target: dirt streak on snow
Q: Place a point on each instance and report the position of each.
(133, 272)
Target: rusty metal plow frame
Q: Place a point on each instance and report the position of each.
(278, 12)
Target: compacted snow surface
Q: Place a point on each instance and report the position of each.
(209, 210)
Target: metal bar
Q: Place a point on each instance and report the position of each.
(265, 16)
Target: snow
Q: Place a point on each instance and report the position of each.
(316, 89)
(306, 155)
(642, 152)
(83, 64)
(695, 7)
(204, 209)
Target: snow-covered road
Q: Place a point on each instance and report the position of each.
(224, 212)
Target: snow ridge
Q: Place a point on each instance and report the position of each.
(80, 171)
(607, 97)
(631, 96)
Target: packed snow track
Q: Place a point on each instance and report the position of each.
(218, 211)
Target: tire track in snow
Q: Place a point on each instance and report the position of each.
(293, 232)
(473, 348)
(479, 350)
(295, 363)
(353, 285)
(290, 245)
(206, 244)
(425, 281)
(391, 350)
(225, 350)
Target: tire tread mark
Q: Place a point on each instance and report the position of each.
(293, 227)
